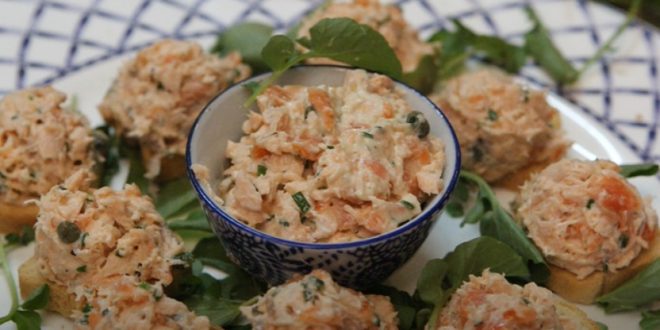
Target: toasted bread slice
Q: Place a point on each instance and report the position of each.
(14, 216)
(61, 301)
(585, 291)
(577, 317)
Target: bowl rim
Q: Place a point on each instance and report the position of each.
(414, 222)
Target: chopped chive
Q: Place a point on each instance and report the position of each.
(492, 115)
(330, 147)
(301, 201)
(408, 205)
(283, 223)
(81, 269)
(261, 170)
(367, 135)
(590, 203)
(144, 286)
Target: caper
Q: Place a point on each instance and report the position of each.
(68, 232)
(418, 123)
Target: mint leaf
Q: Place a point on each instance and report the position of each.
(280, 53)
(27, 320)
(248, 39)
(37, 299)
(423, 77)
(174, 196)
(639, 291)
(633, 170)
(650, 320)
(344, 40)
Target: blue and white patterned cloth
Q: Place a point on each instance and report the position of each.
(43, 41)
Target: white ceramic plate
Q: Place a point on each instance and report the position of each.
(78, 46)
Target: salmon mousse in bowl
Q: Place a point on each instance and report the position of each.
(331, 168)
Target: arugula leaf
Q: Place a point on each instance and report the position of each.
(220, 311)
(27, 320)
(601, 326)
(174, 196)
(494, 49)
(539, 45)
(496, 222)
(650, 320)
(633, 170)
(441, 277)
(37, 299)
(340, 39)
(248, 39)
(639, 291)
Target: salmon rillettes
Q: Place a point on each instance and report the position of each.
(158, 94)
(385, 19)
(110, 249)
(585, 217)
(502, 126)
(490, 302)
(41, 143)
(331, 164)
(315, 301)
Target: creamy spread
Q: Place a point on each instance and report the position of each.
(328, 164)
(160, 92)
(490, 302)
(315, 301)
(121, 303)
(102, 245)
(501, 126)
(585, 217)
(385, 19)
(41, 143)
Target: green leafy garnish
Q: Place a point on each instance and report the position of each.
(136, 168)
(423, 77)
(650, 320)
(639, 291)
(441, 277)
(248, 39)
(23, 238)
(261, 170)
(496, 222)
(23, 315)
(301, 201)
(219, 300)
(633, 170)
(106, 144)
(339, 39)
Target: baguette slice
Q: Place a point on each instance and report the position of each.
(14, 216)
(585, 291)
(61, 301)
(568, 311)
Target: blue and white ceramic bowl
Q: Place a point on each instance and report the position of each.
(355, 264)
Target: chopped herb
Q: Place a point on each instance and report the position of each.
(633, 170)
(311, 287)
(590, 203)
(68, 232)
(81, 269)
(330, 147)
(367, 135)
(308, 109)
(301, 201)
(82, 240)
(87, 308)
(623, 240)
(477, 153)
(283, 223)
(144, 286)
(408, 204)
(160, 86)
(261, 170)
(492, 115)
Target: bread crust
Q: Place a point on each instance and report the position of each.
(585, 291)
(13, 217)
(61, 301)
(580, 319)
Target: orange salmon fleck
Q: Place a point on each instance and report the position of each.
(259, 152)
(617, 196)
(321, 102)
(377, 168)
